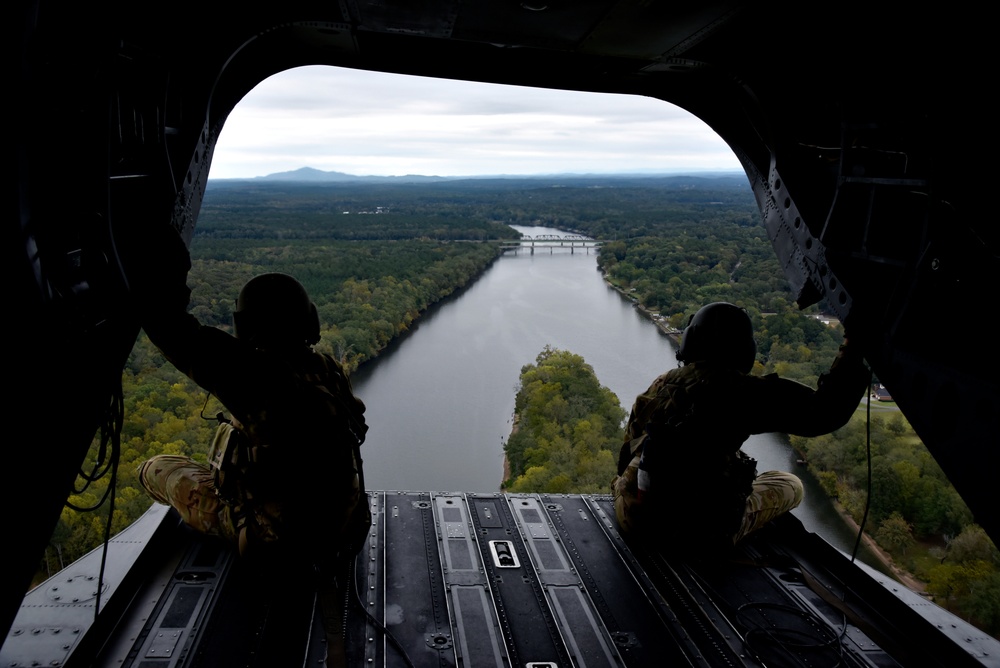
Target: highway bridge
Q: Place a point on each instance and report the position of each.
(572, 242)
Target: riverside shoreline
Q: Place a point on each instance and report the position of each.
(904, 577)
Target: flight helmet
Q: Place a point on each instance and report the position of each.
(274, 310)
(720, 333)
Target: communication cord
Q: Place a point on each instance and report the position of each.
(107, 460)
(767, 631)
(868, 457)
(788, 640)
(361, 604)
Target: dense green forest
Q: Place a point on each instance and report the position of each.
(568, 428)
(367, 292)
(374, 257)
(913, 511)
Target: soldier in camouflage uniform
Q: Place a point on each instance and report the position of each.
(295, 412)
(683, 482)
(289, 490)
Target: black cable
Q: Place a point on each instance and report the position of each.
(816, 621)
(219, 417)
(361, 604)
(868, 450)
(108, 457)
(118, 414)
(783, 637)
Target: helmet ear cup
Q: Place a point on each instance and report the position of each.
(240, 327)
(311, 326)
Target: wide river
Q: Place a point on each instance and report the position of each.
(440, 400)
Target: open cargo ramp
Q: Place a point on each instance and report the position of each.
(509, 580)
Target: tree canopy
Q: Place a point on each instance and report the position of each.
(568, 428)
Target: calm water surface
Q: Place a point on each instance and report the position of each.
(440, 400)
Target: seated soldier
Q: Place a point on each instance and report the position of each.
(288, 488)
(291, 406)
(683, 482)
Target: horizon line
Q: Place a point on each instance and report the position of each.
(641, 172)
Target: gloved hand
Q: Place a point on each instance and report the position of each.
(850, 358)
(156, 266)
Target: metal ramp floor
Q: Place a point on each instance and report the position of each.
(476, 580)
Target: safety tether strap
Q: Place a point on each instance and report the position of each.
(877, 636)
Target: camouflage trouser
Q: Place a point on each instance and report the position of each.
(774, 493)
(188, 486)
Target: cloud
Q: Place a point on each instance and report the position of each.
(373, 123)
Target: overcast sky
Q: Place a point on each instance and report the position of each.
(367, 123)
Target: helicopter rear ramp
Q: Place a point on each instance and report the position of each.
(455, 579)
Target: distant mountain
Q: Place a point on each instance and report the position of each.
(312, 175)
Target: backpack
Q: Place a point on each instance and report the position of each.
(229, 459)
(235, 464)
(676, 459)
(233, 461)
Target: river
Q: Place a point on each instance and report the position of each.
(440, 400)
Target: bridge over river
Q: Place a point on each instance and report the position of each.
(572, 242)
